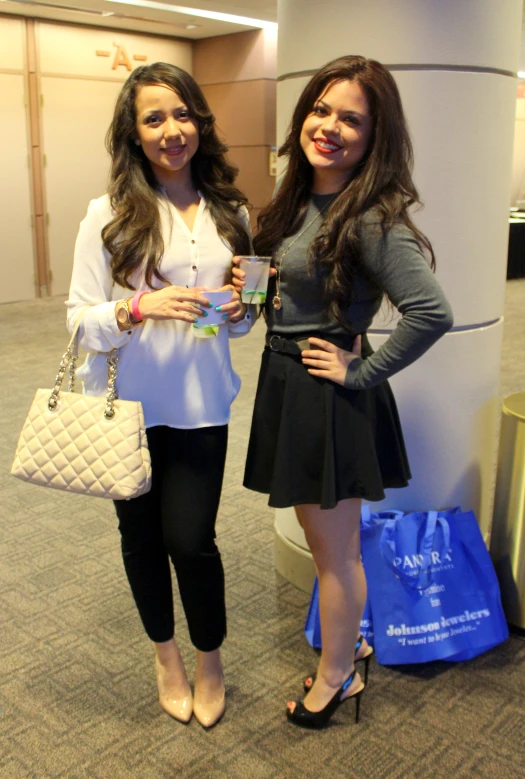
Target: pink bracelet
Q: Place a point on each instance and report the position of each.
(135, 313)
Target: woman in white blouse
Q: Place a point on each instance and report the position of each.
(146, 253)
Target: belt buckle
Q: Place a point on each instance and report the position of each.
(270, 343)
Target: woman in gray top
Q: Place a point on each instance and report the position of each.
(325, 431)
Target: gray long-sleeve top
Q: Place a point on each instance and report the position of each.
(392, 263)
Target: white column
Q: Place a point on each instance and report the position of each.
(455, 65)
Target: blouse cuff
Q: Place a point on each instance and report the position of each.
(99, 331)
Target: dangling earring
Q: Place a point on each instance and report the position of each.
(137, 141)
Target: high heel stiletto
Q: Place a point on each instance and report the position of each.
(209, 699)
(366, 657)
(180, 708)
(318, 719)
(308, 682)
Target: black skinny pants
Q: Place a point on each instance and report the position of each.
(176, 520)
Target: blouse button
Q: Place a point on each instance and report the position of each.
(193, 241)
(194, 267)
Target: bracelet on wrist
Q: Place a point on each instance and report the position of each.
(134, 306)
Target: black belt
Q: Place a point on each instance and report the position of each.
(297, 345)
(286, 345)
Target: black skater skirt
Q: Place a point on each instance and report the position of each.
(313, 441)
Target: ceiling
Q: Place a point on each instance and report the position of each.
(161, 17)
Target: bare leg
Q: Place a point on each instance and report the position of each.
(174, 689)
(333, 537)
(209, 704)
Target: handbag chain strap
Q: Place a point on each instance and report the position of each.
(69, 360)
(111, 360)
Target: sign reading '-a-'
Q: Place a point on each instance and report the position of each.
(121, 58)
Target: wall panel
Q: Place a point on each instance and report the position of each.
(17, 256)
(244, 56)
(253, 177)
(76, 115)
(12, 48)
(72, 51)
(240, 108)
(237, 75)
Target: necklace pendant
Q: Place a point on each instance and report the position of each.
(277, 302)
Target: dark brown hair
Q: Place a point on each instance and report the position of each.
(133, 238)
(381, 183)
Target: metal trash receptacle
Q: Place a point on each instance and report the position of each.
(507, 543)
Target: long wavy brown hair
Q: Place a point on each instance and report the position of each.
(133, 238)
(381, 183)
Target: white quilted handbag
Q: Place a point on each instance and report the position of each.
(80, 443)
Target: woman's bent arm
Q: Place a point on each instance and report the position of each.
(395, 262)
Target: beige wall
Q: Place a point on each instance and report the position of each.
(16, 239)
(237, 74)
(79, 90)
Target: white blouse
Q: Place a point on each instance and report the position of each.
(181, 381)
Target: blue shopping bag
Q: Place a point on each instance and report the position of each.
(432, 588)
(312, 627)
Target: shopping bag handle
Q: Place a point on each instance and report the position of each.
(365, 514)
(369, 518)
(387, 544)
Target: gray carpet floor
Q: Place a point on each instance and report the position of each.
(77, 686)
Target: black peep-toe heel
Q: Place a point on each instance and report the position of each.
(318, 719)
(365, 659)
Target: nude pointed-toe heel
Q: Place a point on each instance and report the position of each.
(209, 714)
(180, 708)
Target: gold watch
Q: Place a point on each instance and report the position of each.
(123, 314)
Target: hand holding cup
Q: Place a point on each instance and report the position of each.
(225, 306)
(250, 277)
